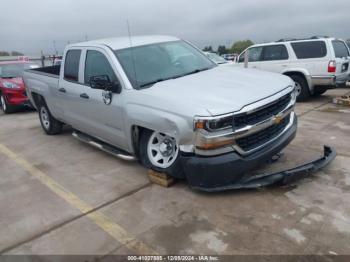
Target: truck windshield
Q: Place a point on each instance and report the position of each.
(15, 70)
(149, 64)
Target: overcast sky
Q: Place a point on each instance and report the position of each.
(31, 26)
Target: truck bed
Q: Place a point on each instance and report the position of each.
(42, 81)
(53, 71)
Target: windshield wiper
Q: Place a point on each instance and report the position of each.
(154, 82)
(194, 72)
(164, 79)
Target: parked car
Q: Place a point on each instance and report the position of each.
(229, 57)
(164, 102)
(216, 58)
(315, 64)
(12, 90)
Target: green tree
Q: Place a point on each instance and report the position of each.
(15, 53)
(222, 50)
(240, 46)
(4, 53)
(208, 49)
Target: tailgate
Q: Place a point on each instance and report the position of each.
(342, 65)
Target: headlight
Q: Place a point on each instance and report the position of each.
(209, 139)
(10, 85)
(213, 124)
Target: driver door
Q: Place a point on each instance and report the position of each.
(104, 120)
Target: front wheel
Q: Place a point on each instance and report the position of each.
(50, 125)
(160, 152)
(302, 88)
(6, 108)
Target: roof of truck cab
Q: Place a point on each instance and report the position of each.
(124, 42)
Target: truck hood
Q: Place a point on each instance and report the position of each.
(222, 89)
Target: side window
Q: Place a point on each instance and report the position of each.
(71, 65)
(310, 49)
(340, 49)
(96, 64)
(255, 54)
(275, 52)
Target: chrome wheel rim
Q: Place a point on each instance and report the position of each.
(3, 103)
(45, 119)
(162, 150)
(297, 88)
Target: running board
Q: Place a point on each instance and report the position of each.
(103, 146)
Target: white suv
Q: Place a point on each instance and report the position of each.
(315, 64)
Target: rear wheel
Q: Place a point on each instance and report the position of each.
(50, 125)
(160, 152)
(6, 108)
(302, 88)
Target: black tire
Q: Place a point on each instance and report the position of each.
(50, 125)
(5, 107)
(175, 170)
(319, 91)
(304, 92)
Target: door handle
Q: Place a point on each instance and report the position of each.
(62, 90)
(83, 95)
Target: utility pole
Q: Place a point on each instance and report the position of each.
(42, 58)
(86, 38)
(54, 47)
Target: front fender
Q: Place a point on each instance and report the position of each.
(175, 125)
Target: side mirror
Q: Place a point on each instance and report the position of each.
(104, 83)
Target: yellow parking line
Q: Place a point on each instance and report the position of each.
(113, 229)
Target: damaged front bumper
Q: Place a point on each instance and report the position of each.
(231, 171)
(278, 178)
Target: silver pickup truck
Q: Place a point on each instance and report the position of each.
(161, 100)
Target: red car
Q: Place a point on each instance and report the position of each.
(12, 90)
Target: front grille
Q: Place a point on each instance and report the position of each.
(262, 114)
(259, 138)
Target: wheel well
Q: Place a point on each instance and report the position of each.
(296, 74)
(38, 99)
(136, 132)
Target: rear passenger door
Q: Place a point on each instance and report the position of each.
(70, 87)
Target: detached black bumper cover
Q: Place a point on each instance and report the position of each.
(278, 178)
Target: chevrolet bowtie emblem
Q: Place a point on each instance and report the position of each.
(278, 119)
